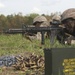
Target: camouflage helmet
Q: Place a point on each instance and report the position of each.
(39, 19)
(69, 13)
(56, 17)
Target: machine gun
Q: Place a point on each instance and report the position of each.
(52, 30)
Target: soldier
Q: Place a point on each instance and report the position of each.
(56, 23)
(68, 20)
(40, 21)
(56, 18)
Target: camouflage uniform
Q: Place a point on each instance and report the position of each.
(70, 13)
(40, 21)
(68, 20)
(56, 17)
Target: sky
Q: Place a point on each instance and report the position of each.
(8, 7)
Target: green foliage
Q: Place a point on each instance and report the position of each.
(16, 44)
(17, 20)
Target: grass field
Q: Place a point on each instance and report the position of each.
(15, 44)
(18, 45)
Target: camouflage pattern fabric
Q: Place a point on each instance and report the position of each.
(69, 13)
(40, 21)
(68, 20)
(56, 17)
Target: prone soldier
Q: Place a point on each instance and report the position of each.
(56, 22)
(40, 21)
(68, 20)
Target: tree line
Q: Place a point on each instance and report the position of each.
(17, 20)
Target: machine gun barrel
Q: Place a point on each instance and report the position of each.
(30, 29)
(13, 31)
(25, 29)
